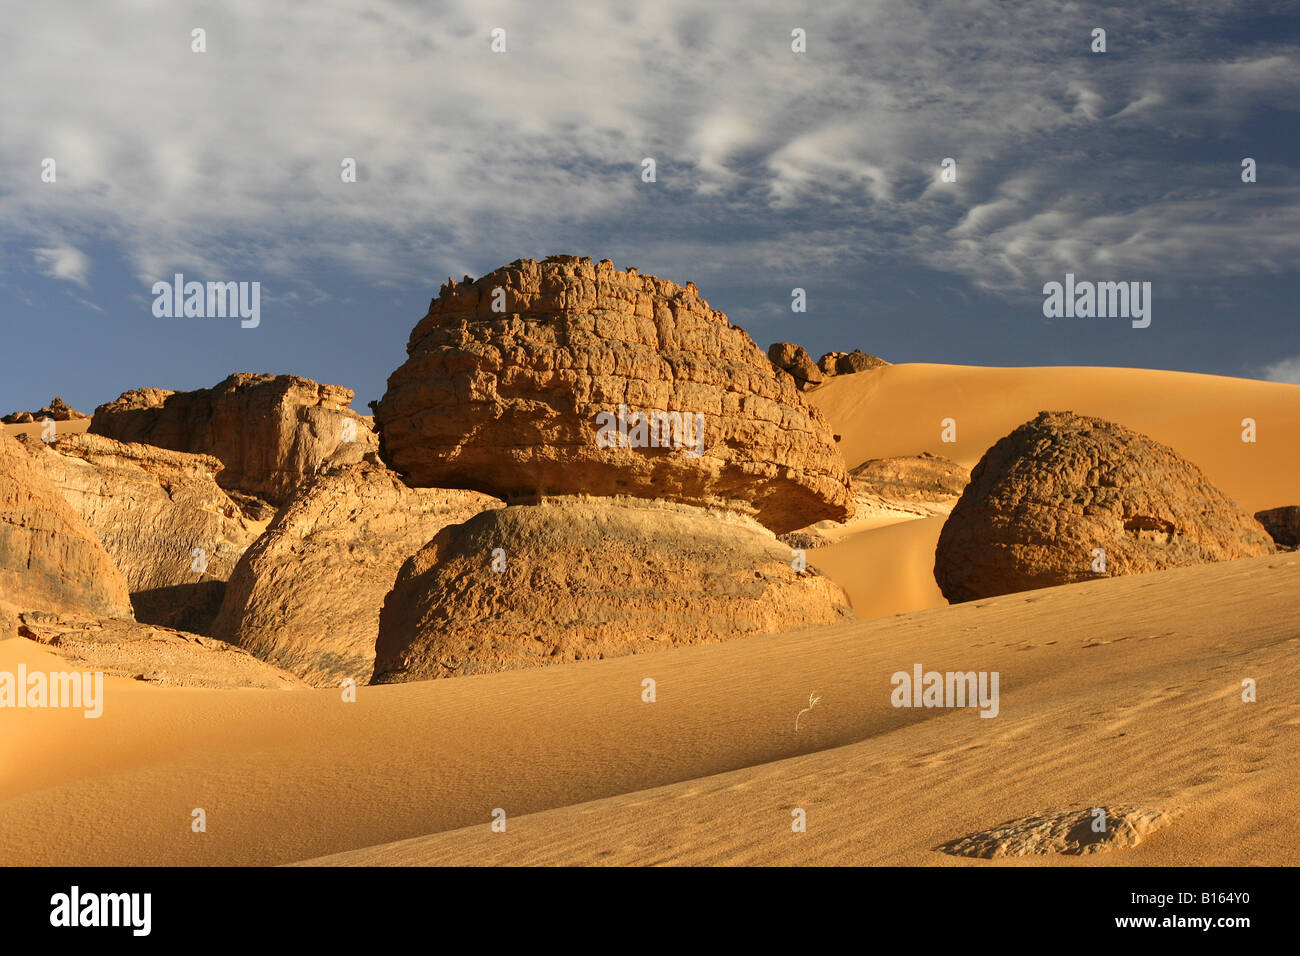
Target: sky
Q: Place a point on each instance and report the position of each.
(820, 170)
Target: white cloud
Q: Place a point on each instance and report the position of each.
(64, 262)
(1287, 370)
(227, 162)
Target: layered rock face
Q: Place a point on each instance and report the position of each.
(269, 431)
(1282, 524)
(1044, 497)
(153, 509)
(583, 579)
(923, 477)
(306, 596)
(507, 402)
(49, 559)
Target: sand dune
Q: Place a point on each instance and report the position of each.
(1101, 702)
(76, 426)
(1120, 692)
(897, 410)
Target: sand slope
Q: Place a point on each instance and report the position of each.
(1123, 690)
(898, 410)
(1120, 691)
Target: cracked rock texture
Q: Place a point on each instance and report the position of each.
(1045, 496)
(269, 432)
(506, 402)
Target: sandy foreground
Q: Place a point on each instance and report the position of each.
(1118, 691)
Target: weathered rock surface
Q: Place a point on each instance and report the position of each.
(923, 477)
(590, 578)
(795, 359)
(847, 363)
(888, 490)
(1044, 497)
(159, 655)
(1282, 524)
(269, 431)
(49, 559)
(306, 597)
(507, 403)
(1066, 831)
(58, 410)
(152, 508)
(857, 361)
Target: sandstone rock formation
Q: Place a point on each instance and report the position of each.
(49, 559)
(795, 359)
(306, 596)
(158, 655)
(269, 431)
(58, 410)
(888, 490)
(152, 509)
(506, 402)
(1044, 497)
(583, 579)
(923, 477)
(847, 363)
(1063, 830)
(1282, 524)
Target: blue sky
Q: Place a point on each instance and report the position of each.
(775, 170)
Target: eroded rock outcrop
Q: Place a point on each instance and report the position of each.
(795, 359)
(583, 579)
(268, 431)
(49, 559)
(506, 400)
(923, 477)
(306, 596)
(1044, 498)
(58, 410)
(171, 530)
(157, 655)
(848, 363)
(1282, 524)
(1068, 831)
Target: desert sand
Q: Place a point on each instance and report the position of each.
(1118, 692)
(898, 410)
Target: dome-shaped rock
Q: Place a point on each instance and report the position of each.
(572, 377)
(582, 579)
(1045, 498)
(306, 596)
